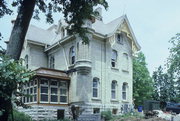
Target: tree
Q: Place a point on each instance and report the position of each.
(142, 82)
(12, 77)
(174, 62)
(75, 12)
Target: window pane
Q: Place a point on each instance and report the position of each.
(35, 98)
(44, 81)
(113, 64)
(54, 83)
(113, 95)
(124, 95)
(95, 84)
(124, 87)
(63, 91)
(31, 90)
(54, 98)
(44, 89)
(63, 99)
(35, 90)
(114, 55)
(53, 90)
(95, 92)
(44, 97)
(113, 85)
(63, 84)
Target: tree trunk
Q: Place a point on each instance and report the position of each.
(20, 28)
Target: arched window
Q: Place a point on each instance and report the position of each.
(124, 91)
(95, 87)
(113, 89)
(26, 62)
(114, 58)
(72, 55)
(51, 62)
(126, 61)
(120, 38)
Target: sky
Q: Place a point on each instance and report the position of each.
(154, 22)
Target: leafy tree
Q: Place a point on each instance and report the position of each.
(142, 82)
(174, 62)
(164, 86)
(12, 76)
(75, 12)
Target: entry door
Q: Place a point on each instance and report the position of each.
(60, 114)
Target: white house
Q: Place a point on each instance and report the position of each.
(95, 76)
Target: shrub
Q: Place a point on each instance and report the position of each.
(19, 116)
(107, 115)
(56, 120)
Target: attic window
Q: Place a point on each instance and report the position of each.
(120, 38)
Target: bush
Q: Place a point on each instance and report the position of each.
(56, 120)
(19, 116)
(107, 115)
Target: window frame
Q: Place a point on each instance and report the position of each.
(124, 91)
(120, 38)
(126, 61)
(96, 88)
(66, 94)
(43, 85)
(72, 55)
(54, 86)
(114, 59)
(114, 90)
(51, 62)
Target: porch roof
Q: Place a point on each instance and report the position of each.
(51, 73)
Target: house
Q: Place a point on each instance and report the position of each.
(94, 77)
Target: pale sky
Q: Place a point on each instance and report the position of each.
(154, 22)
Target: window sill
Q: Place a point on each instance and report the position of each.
(114, 100)
(98, 99)
(115, 68)
(126, 71)
(125, 101)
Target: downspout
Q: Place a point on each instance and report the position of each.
(64, 55)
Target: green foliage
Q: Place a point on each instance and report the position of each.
(167, 84)
(142, 82)
(107, 115)
(75, 12)
(12, 76)
(56, 120)
(174, 62)
(19, 116)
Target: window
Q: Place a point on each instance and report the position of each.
(113, 89)
(124, 91)
(95, 87)
(51, 62)
(63, 92)
(114, 58)
(44, 90)
(72, 55)
(126, 62)
(120, 38)
(96, 110)
(30, 89)
(26, 62)
(114, 111)
(54, 91)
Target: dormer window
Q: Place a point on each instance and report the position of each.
(26, 61)
(120, 38)
(72, 55)
(114, 58)
(51, 62)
